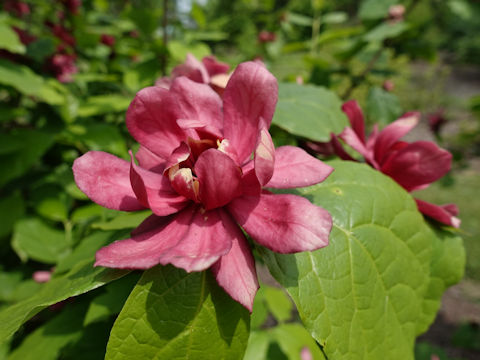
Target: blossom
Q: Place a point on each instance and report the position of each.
(413, 166)
(108, 40)
(265, 36)
(62, 66)
(208, 71)
(196, 173)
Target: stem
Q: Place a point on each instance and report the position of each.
(315, 30)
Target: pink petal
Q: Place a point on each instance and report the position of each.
(417, 164)
(198, 102)
(250, 94)
(192, 240)
(151, 119)
(295, 168)
(148, 160)
(219, 178)
(355, 115)
(393, 132)
(163, 82)
(193, 69)
(351, 138)
(153, 190)
(283, 223)
(338, 148)
(444, 214)
(214, 66)
(264, 159)
(105, 179)
(235, 272)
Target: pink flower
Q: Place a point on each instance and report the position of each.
(42, 276)
(63, 66)
(108, 40)
(266, 36)
(413, 166)
(17, 8)
(196, 173)
(208, 71)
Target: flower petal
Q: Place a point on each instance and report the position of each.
(219, 178)
(264, 158)
(148, 160)
(251, 94)
(444, 214)
(193, 69)
(393, 132)
(417, 164)
(105, 179)
(198, 102)
(351, 138)
(153, 190)
(355, 115)
(235, 272)
(192, 240)
(294, 167)
(214, 66)
(152, 120)
(283, 223)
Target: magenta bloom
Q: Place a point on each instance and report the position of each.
(208, 71)
(63, 67)
(108, 40)
(196, 173)
(412, 165)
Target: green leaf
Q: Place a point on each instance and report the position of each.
(32, 145)
(81, 279)
(27, 82)
(33, 239)
(309, 111)
(41, 49)
(112, 301)
(375, 9)
(278, 303)
(382, 107)
(367, 294)
(289, 338)
(47, 341)
(103, 104)
(12, 208)
(103, 137)
(9, 40)
(124, 221)
(179, 50)
(385, 31)
(174, 314)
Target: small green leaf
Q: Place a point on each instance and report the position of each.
(386, 31)
(81, 279)
(9, 40)
(124, 221)
(278, 303)
(103, 137)
(309, 111)
(382, 107)
(174, 314)
(103, 104)
(12, 208)
(41, 49)
(179, 50)
(33, 239)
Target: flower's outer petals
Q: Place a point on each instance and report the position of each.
(205, 241)
(181, 153)
(283, 223)
(152, 222)
(213, 66)
(148, 160)
(105, 179)
(443, 214)
(198, 102)
(163, 82)
(235, 272)
(355, 115)
(294, 167)
(338, 148)
(146, 248)
(153, 190)
(219, 178)
(417, 164)
(151, 119)
(393, 132)
(264, 158)
(193, 69)
(350, 137)
(251, 94)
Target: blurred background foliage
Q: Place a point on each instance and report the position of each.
(69, 69)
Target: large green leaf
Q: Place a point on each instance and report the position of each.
(370, 292)
(11, 209)
(103, 104)
(174, 314)
(81, 279)
(309, 111)
(9, 40)
(383, 107)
